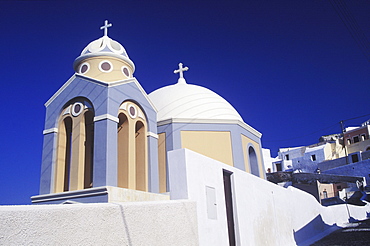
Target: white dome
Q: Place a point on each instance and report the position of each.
(104, 46)
(186, 101)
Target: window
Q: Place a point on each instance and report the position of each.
(287, 157)
(278, 167)
(84, 68)
(356, 139)
(363, 137)
(253, 162)
(325, 193)
(339, 187)
(348, 141)
(105, 66)
(354, 158)
(126, 71)
(313, 157)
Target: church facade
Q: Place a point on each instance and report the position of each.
(103, 130)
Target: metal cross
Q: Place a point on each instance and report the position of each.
(105, 27)
(181, 70)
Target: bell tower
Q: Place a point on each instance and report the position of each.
(100, 135)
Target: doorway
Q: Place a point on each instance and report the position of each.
(229, 206)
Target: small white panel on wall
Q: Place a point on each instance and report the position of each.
(211, 203)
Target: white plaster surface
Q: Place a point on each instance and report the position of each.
(136, 223)
(267, 160)
(264, 213)
(117, 194)
(187, 101)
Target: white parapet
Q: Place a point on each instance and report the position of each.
(133, 223)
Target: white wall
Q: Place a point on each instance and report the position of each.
(267, 160)
(131, 223)
(264, 213)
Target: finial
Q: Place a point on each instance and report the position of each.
(105, 27)
(181, 71)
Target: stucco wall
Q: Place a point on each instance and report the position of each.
(214, 144)
(137, 223)
(264, 213)
(358, 169)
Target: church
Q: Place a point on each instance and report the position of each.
(177, 166)
(102, 129)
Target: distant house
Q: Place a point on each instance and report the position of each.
(357, 139)
(345, 154)
(306, 158)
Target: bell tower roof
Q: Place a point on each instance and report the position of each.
(104, 46)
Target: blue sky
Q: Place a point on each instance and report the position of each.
(291, 68)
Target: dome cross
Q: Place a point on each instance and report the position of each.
(181, 71)
(105, 27)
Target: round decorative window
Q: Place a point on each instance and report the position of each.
(77, 109)
(84, 68)
(132, 111)
(126, 71)
(105, 66)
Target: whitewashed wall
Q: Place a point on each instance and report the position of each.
(264, 213)
(131, 223)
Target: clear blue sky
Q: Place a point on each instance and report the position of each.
(291, 68)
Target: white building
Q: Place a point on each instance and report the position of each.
(306, 158)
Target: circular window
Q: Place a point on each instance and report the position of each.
(84, 68)
(132, 111)
(105, 66)
(77, 108)
(126, 71)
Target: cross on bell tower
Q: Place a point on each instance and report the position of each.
(181, 71)
(105, 27)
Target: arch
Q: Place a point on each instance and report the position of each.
(123, 150)
(75, 146)
(368, 148)
(64, 155)
(132, 147)
(89, 149)
(253, 161)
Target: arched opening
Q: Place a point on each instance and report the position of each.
(65, 141)
(63, 160)
(74, 159)
(368, 148)
(123, 150)
(132, 147)
(253, 162)
(325, 193)
(89, 149)
(140, 154)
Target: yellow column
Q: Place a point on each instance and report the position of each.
(61, 158)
